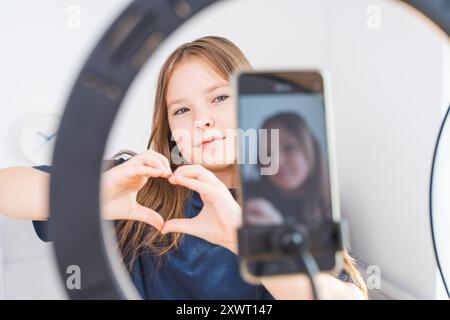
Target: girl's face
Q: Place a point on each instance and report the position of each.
(293, 165)
(201, 114)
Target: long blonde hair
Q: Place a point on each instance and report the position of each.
(168, 200)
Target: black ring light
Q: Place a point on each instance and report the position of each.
(432, 222)
(87, 119)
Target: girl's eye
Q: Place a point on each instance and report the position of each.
(181, 111)
(221, 98)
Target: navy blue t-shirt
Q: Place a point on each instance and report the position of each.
(198, 269)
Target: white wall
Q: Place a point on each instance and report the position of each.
(387, 92)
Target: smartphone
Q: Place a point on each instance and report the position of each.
(287, 169)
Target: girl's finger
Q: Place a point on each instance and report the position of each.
(200, 173)
(147, 215)
(152, 159)
(205, 189)
(195, 171)
(251, 219)
(251, 212)
(150, 153)
(260, 204)
(143, 170)
(165, 161)
(180, 225)
(155, 162)
(259, 221)
(252, 205)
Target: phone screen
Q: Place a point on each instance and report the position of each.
(283, 153)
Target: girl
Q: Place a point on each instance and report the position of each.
(177, 220)
(299, 189)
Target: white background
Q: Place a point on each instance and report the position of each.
(389, 89)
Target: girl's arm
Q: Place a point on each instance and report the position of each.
(24, 193)
(297, 287)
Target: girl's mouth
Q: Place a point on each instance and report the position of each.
(210, 141)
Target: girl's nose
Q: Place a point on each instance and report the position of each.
(204, 123)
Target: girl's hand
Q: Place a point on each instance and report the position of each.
(220, 216)
(120, 185)
(259, 211)
(298, 287)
